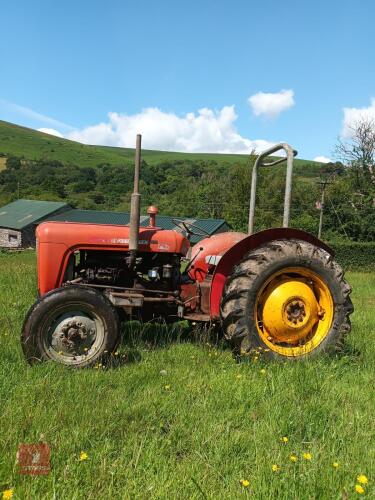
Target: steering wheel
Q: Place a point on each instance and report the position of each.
(188, 225)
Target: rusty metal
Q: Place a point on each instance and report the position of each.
(170, 298)
(135, 206)
(136, 300)
(112, 287)
(193, 316)
(204, 299)
(189, 295)
(127, 301)
(291, 153)
(152, 212)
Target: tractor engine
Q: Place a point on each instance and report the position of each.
(159, 271)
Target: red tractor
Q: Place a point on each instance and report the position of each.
(279, 291)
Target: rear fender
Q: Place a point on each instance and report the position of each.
(236, 253)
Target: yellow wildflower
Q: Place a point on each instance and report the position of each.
(362, 479)
(263, 371)
(167, 387)
(293, 458)
(359, 489)
(307, 456)
(335, 465)
(7, 494)
(245, 483)
(238, 376)
(284, 439)
(83, 456)
(275, 468)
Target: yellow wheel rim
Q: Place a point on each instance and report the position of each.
(294, 311)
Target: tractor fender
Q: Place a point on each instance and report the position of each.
(236, 253)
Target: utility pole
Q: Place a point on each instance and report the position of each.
(324, 184)
(18, 189)
(321, 210)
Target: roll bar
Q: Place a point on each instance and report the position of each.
(290, 154)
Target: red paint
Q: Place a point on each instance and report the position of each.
(234, 254)
(57, 240)
(217, 244)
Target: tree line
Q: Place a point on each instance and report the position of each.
(209, 189)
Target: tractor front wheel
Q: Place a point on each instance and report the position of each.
(287, 299)
(74, 326)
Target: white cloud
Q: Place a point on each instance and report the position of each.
(354, 115)
(271, 104)
(50, 131)
(322, 159)
(204, 131)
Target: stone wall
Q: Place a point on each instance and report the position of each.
(10, 238)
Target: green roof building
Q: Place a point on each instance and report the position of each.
(19, 219)
(209, 226)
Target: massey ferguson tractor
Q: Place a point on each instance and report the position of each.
(278, 291)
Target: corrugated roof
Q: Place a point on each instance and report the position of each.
(21, 213)
(119, 218)
(92, 216)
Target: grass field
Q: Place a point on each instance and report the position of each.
(179, 419)
(33, 145)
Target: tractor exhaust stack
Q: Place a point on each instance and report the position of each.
(135, 206)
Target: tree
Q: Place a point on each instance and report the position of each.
(358, 152)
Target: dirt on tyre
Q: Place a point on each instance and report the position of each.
(75, 326)
(287, 299)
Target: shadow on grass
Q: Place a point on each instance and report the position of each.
(157, 334)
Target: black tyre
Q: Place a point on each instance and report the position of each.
(287, 299)
(74, 326)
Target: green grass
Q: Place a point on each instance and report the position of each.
(218, 423)
(33, 145)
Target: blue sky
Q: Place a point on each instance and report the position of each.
(155, 64)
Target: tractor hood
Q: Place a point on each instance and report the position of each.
(109, 237)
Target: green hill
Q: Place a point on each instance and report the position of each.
(33, 145)
(44, 167)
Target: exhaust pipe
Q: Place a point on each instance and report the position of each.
(135, 206)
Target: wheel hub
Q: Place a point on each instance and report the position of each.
(295, 311)
(73, 335)
(290, 311)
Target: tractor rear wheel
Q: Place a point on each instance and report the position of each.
(287, 299)
(74, 326)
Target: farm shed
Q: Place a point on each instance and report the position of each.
(211, 226)
(19, 219)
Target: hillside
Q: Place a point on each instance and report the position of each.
(34, 165)
(33, 145)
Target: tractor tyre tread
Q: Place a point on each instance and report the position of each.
(32, 346)
(254, 269)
